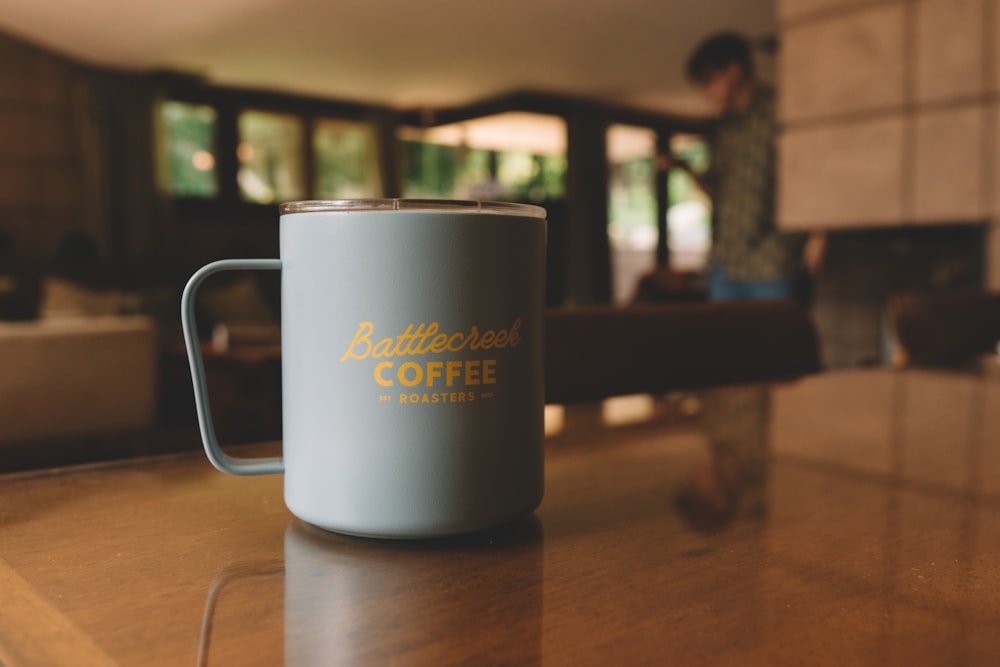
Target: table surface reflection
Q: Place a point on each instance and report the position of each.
(847, 518)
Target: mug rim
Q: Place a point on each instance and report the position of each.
(412, 205)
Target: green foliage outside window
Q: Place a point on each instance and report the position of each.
(429, 170)
(632, 203)
(189, 135)
(689, 220)
(271, 161)
(682, 187)
(532, 177)
(346, 165)
(450, 172)
(271, 157)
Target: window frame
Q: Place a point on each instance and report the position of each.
(228, 103)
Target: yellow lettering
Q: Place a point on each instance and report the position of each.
(406, 336)
(379, 367)
(433, 371)
(439, 344)
(473, 337)
(489, 371)
(453, 370)
(361, 337)
(487, 340)
(383, 348)
(424, 339)
(515, 334)
(472, 369)
(453, 346)
(422, 336)
(418, 374)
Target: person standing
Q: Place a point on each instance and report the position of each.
(750, 258)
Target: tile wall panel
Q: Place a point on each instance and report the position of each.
(795, 9)
(991, 144)
(991, 34)
(848, 64)
(948, 166)
(844, 175)
(949, 49)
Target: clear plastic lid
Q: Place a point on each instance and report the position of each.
(421, 205)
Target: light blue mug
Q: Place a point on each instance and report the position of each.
(412, 374)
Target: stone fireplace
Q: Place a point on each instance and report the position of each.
(864, 268)
(890, 143)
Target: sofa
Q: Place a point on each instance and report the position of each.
(66, 377)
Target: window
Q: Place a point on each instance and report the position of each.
(346, 164)
(632, 188)
(296, 149)
(513, 156)
(433, 170)
(689, 218)
(271, 157)
(632, 208)
(532, 177)
(189, 131)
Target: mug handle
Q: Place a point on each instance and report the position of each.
(233, 465)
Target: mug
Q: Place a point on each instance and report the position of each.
(412, 374)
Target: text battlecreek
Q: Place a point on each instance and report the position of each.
(452, 381)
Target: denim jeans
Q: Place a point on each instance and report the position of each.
(722, 288)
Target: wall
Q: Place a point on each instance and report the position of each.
(890, 113)
(42, 193)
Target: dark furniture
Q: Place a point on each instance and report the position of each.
(595, 352)
(946, 328)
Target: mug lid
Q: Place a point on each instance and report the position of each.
(422, 205)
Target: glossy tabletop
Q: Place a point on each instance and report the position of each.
(847, 518)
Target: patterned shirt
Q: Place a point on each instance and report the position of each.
(746, 243)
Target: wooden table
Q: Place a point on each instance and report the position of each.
(866, 532)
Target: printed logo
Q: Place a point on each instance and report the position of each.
(407, 371)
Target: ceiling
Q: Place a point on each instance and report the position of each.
(402, 53)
